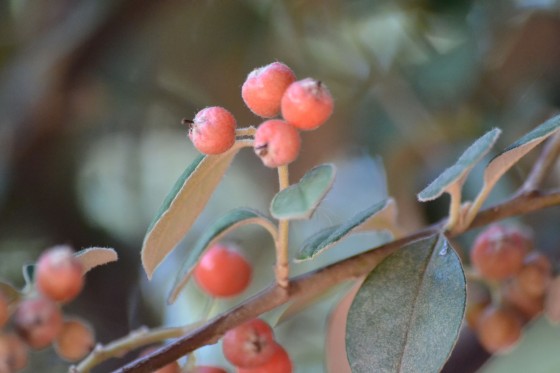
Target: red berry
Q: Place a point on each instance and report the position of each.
(517, 298)
(499, 329)
(307, 104)
(75, 340)
(59, 274)
(208, 369)
(498, 252)
(13, 353)
(213, 130)
(264, 87)
(4, 310)
(250, 344)
(279, 363)
(38, 321)
(277, 143)
(223, 271)
(535, 275)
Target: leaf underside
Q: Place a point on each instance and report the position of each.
(407, 315)
(233, 219)
(96, 256)
(299, 201)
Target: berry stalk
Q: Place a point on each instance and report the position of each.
(282, 258)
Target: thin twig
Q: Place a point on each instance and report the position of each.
(320, 280)
(282, 247)
(544, 163)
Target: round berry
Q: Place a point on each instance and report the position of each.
(535, 275)
(250, 344)
(264, 87)
(169, 368)
(38, 321)
(307, 104)
(499, 329)
(59, 274)
(277, 143)
(213, 130)
(75, 340)
(207, 369)
(13, 353)
(279, 363)
(222, 271)
(4, 310)
(515, 296)
(498, 252)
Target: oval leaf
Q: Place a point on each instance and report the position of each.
(407, 315)
(232, 220)
(96, 256)
(183, 205)
(458, 172)
(300, 200)
(327, 237)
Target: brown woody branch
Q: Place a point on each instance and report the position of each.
(322, 279)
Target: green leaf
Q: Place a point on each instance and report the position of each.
(28, 271)
(183, 205)
(299, 201)
(407, 315)
(96, 256)
(328, 237)
(232, 220)
(11, 293)
(458, 172)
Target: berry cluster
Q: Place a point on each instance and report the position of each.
(36, 321)
(515, 281)
(252, 349)
(268, 91)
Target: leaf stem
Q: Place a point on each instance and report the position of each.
(282, 244)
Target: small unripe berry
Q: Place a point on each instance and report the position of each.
(222, 271)
(307, 104)
(169, 368)
(499, 329)
(207, 369)
(279, 363)
(277, 143)
(212, 130)
(75, 340)
(498, 252)
(59, 274)
(13, 353)
(552, 303)
(250, 344)
(38, 321)
(264, 87)
(535, 275)
(4, 310)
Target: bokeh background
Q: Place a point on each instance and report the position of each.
(92, 94)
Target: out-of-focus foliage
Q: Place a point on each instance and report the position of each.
(92, 94)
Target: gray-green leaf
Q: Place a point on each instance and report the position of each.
(182, 206)
(327, 237)
(299, 201)
(232, 220)
(407, 315)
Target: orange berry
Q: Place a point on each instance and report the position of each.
(222, 271)
(277, 143)
(307, 104)
(75, 340)
(498, 252)
(59, 274)
(279, 363)
(13, 353)
(4, 310)
(169, 368)
(516, 297)
(498, 329)
(38, 321)
(250, 344)
(535, 275)
(264, 87)
(212, 130)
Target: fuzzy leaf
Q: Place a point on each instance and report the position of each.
(96, 256)
(327, 237)
(407, 315)
(458, 172)
(299, 201)
(182, 206)
(232, 220)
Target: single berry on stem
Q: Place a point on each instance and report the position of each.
(38, 321)
(277, 143)
(250, 344)
(59, 274)
(307, 104)
(223, 271)
(212, 130)
(498, 329)
(280, 362)
(264, 87)
(75, 340)
(498, 252)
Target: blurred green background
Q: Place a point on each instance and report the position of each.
(92, 94)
